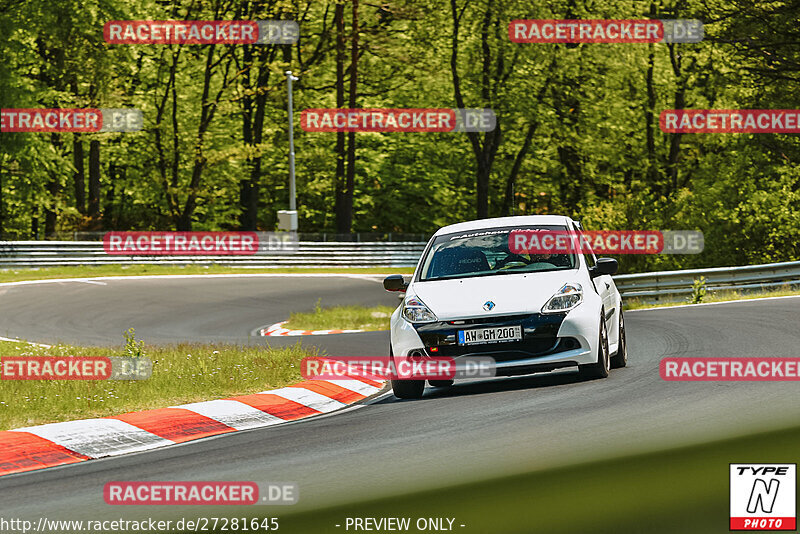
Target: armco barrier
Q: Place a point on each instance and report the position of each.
(670, 285)
(309, 254)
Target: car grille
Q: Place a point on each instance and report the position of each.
(489, 321)
(539, 337)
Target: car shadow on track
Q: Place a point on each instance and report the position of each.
(499, 384)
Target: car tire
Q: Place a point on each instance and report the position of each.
(441, 383)
(601, 367)
(620, 359)
(407, 389)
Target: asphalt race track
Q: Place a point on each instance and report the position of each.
(208, 309)
(471, 431)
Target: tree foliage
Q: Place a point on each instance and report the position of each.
(577, 125)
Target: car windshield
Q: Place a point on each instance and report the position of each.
(486, 253)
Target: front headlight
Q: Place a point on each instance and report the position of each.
(415, 311)
(569, 296)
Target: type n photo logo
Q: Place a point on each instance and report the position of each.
(763, 496)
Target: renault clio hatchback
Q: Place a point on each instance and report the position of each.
(471, 295)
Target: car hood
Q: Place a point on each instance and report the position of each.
(464, 298)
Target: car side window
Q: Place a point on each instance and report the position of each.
(591, 261)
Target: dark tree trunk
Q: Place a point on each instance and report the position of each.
(108, 208)
(2, 208)
(249, 195)
(168, 182)
(340, 201)
(508, 199)
(253, 133)
(50, 212)
(246, 215)
(679, 103)
(485, 151)
(208, 108)
(79, 178)
(52, 190)
(650, 111)
(347, 219)
(94, 179)
(650, 120)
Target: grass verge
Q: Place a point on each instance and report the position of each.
(679, 490)
(341, 317)
(181, 374)
(44, 273)
(715, 296)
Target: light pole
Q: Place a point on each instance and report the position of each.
(292, 202)
(287, 220)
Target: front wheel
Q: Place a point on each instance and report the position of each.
(406, 389)
(602, 367)
(620, 359)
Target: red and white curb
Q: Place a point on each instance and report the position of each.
(37, 447)
(278, 330)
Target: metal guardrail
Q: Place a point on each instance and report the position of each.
(669, 285)
(664, 285)
(309, 254)
(316, 237)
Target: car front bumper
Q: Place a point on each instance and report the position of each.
(549, 341)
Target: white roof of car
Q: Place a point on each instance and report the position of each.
(500, 222)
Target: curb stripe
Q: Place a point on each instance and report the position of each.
(97, 438)
(312, 399)
(373, 381)
(333, 391)
(232, 413)
(175, 424)
(363, 376)
(23, 451)
(38, 447)
(356, 385)
(278, 407)
(278, 330)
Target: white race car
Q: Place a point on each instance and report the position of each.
(470, 296)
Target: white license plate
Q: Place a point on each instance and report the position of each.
(495, 334)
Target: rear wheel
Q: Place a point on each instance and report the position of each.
(620, 359)
(440, 383)
(602, 367)
(407, 389)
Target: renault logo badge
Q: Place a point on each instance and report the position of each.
(488, 305)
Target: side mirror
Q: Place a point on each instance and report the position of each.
(604, 266)
(395, 282)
